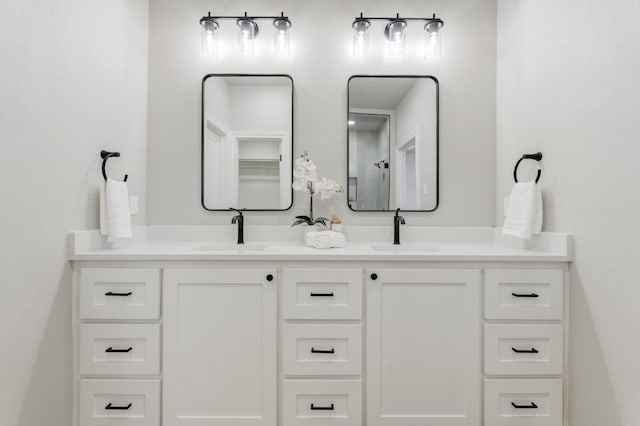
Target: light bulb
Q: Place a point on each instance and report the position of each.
(281, 40)
(209, 37)
(361, 37)
(395, 35)
(433, 40)
(247, 32)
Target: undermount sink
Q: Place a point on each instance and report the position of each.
(404, 247)
(231, 246)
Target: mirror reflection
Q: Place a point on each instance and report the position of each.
(247, 128)
(393, 143)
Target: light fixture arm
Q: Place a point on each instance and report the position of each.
(379, 18)
(245, 16)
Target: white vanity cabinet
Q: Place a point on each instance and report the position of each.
(355, 342)
(423, 347)
(220, 346)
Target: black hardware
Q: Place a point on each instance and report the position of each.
(239, 219)
(321, 351)
(105, 155)
(351, 196)
(245, 16)
(315, 407)
(532, 295)
(428, 21)
(269, 277)
(532, 405)
(117, 407)
(203, 124)
(537, 156)
(525, 351)
(397, 221)
(374, 276)
(321, 294)
(111, 293)
(111, 350)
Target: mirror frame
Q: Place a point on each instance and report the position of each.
(437, 83)
(202, 136)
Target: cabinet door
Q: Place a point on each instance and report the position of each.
(423, 347)
(219, 348)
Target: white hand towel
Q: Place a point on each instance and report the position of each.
(104, 224)
(524, 211)
(117, 208)
(325, 239)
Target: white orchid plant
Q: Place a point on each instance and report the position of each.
(306, 180)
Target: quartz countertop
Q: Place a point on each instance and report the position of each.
(285, 244)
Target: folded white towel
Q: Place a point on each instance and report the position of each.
(325, 239)
(114, 211)
(523, 217)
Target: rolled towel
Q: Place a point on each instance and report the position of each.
(116, 206)
(325, 239)
(523, 216)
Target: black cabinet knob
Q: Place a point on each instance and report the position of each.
(269, 277)
(374, 276)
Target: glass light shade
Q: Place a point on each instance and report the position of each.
(433, 40)
(361, 37)
(396, 40)
(281, 37)
(247, 32)
(209, 38)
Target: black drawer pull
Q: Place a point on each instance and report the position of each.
(524, 295)
(532, 405)
(111, 350)
(374, 276)
(117, 407)
(525, 351)
(269, 277)
(325, 407)
(111, 293)
(321, 294)
(321, 351)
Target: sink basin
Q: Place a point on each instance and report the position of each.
(231, 246)
(404, 247)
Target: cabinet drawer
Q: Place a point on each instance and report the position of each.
(119, 402)
(322, 402)
(322, 349)
(119, 349)
(523, 349)
(523, 294)
(322, 293)
(523, 402)
(119, 293)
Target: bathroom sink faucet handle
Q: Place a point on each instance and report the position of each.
(397, 221)
(239, 219)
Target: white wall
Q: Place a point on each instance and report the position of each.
(73, 80)
(320, 67)
(568, 85)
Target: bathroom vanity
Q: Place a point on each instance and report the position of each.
(453, 328)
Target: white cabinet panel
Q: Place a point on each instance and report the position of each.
(519, 294)
(423, 347)
(220, 348)
(116, 349)
(119, 403)
(523, 349)
(322, 403)
(525, 402)
(119, 293)
(322, 349)
(322, 293)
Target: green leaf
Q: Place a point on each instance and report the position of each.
(322, 220)
(307, 218)
(300, 221)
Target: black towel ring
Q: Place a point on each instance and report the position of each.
(537, 156)
(105, 156)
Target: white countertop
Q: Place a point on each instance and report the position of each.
(285, 244)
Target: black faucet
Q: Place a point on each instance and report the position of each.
(239, 219)
(397, 221)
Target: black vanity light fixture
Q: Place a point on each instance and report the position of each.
(248, 30)
(395, 34)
